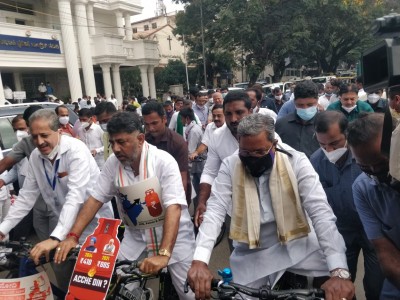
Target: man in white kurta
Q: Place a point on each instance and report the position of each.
(125, 168)
(318, 251)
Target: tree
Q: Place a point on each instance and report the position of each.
(174, 73)
(131, 82)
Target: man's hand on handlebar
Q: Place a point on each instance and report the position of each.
(43, 248)
(2, 236)
(199, 278)
(337, 288)
(153, 265)
(63, 249)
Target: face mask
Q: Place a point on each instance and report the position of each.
(278, 97)
(257, 165)
(104, 127)
(54, 152)
(200, 106)
(21, 134)
(328, 94)
(373, 98)
(307, 113)
(336, 154)
(349, 109)
(85, 124)
(63, 120)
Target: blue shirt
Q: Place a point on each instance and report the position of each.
(287, 108)
(337, 183)
(202, 113)
(379, 208)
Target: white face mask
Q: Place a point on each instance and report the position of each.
(336, 154)
(21, 134)
(278, 97)
(63, 120)
(104, 127)
(349, 109)
(373, 98)
(55, 150)
(85, 125)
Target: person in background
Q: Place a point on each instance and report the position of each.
(324, 99)
(276, 102)
(297, 129)
(218, 120)
(337, 170)
(63, 118)
(175, 123)
(92, 135)
(349, 104)
(255, 98)
(194, 135)
(104, 112)
(5, 197)
(42, 90)
(362, 95)
(375, 100)
(169, 110)
(49, 90)
(159, 135)
(113, 100)
(200, 108)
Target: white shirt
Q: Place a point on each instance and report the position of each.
(93, 139)
(167, 170)
(113, 101)
(265, 111)
(173, 122)
(208, 132)
(76, 176)
(322, 250)
(362, 95)
(222, 144)
(324, 101)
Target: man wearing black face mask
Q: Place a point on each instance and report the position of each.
(377, 203)
(337, 171)
(282, 226)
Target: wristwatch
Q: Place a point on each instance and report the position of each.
(164, 252)
(341, 273)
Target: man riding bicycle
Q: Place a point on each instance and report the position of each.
(282, 226)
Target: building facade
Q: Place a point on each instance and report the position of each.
(78, 46)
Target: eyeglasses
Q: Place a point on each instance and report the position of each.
(256, 153)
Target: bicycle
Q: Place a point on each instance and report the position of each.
(229, 290)
(15, 260)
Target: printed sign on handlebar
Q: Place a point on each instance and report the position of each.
(139, 204)
(96, 261)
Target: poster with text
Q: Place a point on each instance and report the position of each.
(36, 286)
(96, 261)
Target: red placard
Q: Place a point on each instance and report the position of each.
(96, 261)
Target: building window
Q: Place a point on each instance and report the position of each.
(17, 7)
(153, 25)
(20, 22)
(134, 29)
(146, 27)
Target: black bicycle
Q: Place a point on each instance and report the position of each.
(231, 291)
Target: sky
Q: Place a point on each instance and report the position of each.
(149, 8)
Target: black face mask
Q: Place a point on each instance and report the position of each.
(257, 165)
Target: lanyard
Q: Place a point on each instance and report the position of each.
(52, 184)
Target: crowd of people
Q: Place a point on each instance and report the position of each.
(298, 176)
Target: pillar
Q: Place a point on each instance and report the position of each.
(84, 47)
(152, 82)
(120, 24)
(145, 81)
(128, 27)
(2, 98)
(69, 49)
(106, 79)
(90, 18)
(117, 83)
(17, 81)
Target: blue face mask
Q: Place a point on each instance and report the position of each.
(306, 113)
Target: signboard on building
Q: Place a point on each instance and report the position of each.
(21, 43)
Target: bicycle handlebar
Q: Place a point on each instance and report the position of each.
(229, 290)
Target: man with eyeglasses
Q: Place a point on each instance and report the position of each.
(283, 228)
(337, 170)
(376, 201)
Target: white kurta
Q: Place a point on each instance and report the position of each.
(167, 171)
(322, 250)
(76, 176)
(93, 139)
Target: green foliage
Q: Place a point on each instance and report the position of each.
(318, 33)
(131, 82)
(174, 73)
